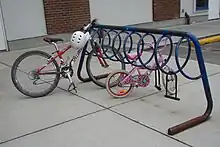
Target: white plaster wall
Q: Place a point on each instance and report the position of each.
(23, 18)
(121, 12)
(2, 33)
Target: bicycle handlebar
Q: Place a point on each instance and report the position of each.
(88, 26)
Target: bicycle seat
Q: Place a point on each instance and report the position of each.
(50, 40)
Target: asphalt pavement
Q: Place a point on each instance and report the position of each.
(211, 52)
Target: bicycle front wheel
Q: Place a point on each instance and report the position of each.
(28, 80)
(99, 67)
(123, 87)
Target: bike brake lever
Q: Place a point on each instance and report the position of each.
(94, 21)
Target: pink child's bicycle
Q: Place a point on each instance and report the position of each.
(127, 80)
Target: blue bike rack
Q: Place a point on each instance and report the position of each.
(142, 32)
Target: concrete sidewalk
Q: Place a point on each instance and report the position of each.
(200, 30)
(93, 118)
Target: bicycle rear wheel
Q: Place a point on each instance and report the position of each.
(99, 73)
(32, 77)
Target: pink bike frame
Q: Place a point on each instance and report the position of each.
(148, 72)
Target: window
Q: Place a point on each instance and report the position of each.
(202, 5)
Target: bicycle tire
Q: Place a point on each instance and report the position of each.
(20, 88)
(90, 74)
(108, 87)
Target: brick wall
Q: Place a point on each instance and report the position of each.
(63, 16)
(166, 9)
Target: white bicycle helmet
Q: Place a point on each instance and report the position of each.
(78, 40)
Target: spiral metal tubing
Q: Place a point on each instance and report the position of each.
(116, 44)
(120, 40)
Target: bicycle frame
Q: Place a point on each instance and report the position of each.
(147, 71)
(59, 54)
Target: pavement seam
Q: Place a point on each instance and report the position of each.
(137, 122)
(5, 64)
(123, 102)
(79, 117)
(128, 118)
(50, 127)
(104, 108)
(150, 128)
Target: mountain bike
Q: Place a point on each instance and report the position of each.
(53, 67)
(127, 80)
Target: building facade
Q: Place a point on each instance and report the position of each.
(33, 18)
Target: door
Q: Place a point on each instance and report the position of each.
(23, 18)
(213, 9)
(3, 44)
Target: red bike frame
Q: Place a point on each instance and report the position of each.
(59, 54)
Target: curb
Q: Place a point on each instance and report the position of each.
(204, 39)
(208, 39)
